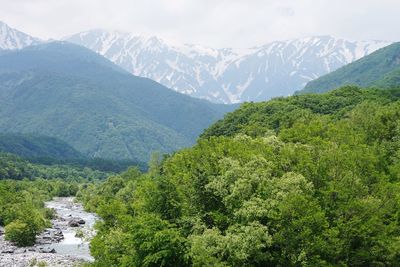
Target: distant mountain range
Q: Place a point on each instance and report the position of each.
(227, 75)
(223, 75)
(380, 69)
(66, 91)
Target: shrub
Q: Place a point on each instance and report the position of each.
(20, 233)
(50, 213)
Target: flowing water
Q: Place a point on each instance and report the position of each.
(72, 245)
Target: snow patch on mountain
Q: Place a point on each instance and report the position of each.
(227, 75)
(11, 39)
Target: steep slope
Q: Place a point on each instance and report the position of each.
(13, 39)
(69, 92)
(227, 75)
(381, 68)
(35, 146)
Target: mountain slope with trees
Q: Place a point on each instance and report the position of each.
(380, 69)
(46, 150)
(37, 146)
(69, 92)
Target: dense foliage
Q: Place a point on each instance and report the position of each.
(69, 92)
(15, 168)
(254, 119)
(309, 180)
(100, 164)
(380, 69)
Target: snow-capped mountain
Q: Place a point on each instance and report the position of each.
(13, 39)
(224, 75)
(227, 75)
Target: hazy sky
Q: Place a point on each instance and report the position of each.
(218, 23)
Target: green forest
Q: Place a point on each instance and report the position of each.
(150, 141)
(307, 180)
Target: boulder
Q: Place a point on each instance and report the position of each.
(58, 235)
(73, 223)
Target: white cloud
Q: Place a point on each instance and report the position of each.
(236, 23)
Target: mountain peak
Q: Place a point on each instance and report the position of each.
(11, 38)
(223, 75)
(228, 75)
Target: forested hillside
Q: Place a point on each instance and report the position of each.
(69, 92)
(46, 150)
(310, 180)
(37, 146)
(380, 69)
(15, 168)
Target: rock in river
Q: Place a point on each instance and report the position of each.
(76, 222)
(73, 223)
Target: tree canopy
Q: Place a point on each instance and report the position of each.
(307, 180)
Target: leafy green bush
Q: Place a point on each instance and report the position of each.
(20, 233)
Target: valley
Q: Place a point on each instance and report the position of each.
(122, 148)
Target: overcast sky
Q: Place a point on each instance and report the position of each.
(218, 23)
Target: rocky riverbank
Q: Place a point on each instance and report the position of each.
(64, 244)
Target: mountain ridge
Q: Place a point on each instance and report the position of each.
(224, 75)
(227, 75)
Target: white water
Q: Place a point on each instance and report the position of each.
(71, 245)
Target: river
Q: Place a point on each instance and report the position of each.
(60, 245)
(72, 245)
